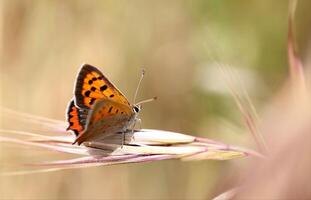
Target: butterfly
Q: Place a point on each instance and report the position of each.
(98, 109)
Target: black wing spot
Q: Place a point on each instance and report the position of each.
(110, 109)
(104, 87)
(87, 93)
(92, 101)
(122, 112)
(90, 82)
(112, 95)
(76, 132)
(94, 79)
(117, 110)
(71, 123)
(93, 89)
(100, 78)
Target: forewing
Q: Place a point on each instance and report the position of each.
(106, 117)
(92, 85)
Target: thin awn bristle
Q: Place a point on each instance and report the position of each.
(46, 146)
(247, 115)
(27, 116)
(253, 113)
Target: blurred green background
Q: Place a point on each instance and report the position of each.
(180, 44)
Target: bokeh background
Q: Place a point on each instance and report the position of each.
(180, 44)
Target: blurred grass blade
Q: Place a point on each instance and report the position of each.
(89, 162)
(143, 145)
(227, 195)
(162, 137)
(215, 155)
(295, 64)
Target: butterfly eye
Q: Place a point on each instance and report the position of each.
(136, 109)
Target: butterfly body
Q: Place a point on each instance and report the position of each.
(98, 108)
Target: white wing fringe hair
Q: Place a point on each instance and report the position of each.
(143, 145)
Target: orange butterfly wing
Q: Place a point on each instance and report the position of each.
(105, 118)
(92, 85)
(99, 108)
(76, 118)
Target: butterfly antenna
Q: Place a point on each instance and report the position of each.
(138, 86)
(146, 101)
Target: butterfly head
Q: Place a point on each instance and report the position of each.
(136, 108)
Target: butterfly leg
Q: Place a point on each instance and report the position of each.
(139, 121)
(123, 139)
(133, 127)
